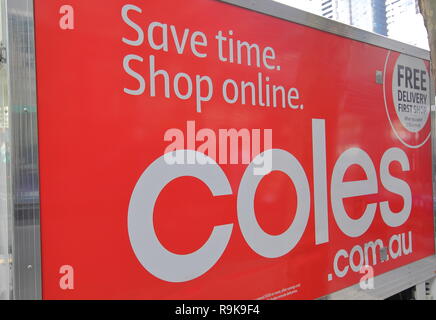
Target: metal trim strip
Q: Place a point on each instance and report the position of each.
(23, 150)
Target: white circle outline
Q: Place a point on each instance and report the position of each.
(389, 117)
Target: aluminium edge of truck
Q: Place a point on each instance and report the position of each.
(210, 150)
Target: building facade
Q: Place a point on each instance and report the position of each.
(396, 19)
(369, 15)
(405, 22)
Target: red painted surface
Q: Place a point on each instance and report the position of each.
(95, 142)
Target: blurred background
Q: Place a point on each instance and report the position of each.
(397, 19)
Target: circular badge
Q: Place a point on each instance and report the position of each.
(410, 91)
(407, 98)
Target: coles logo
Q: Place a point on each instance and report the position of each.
(407, 98)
